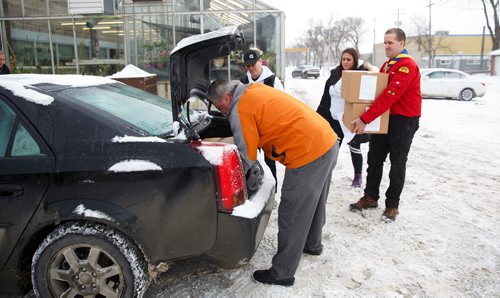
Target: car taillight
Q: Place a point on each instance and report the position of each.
(230, 179)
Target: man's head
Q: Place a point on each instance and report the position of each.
(253, 62)
(220, 93)
(2, 58)
(394, 42)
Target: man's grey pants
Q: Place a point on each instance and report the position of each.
(301, 213)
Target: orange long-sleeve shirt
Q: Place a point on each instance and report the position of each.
(285, 128)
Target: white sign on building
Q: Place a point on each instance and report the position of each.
(76, 7)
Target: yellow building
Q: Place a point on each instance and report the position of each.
(468, 53)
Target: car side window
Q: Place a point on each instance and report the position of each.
(436, 75)
(24, 144)
(452, 75)
(7, 118)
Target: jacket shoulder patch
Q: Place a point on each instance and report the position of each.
(404, 69)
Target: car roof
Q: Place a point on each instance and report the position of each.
(441, 69)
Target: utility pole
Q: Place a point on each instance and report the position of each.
(398, 23)
(482, 50)
(430, 34)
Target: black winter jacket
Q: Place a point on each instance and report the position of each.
(4, 70)
(325, 103)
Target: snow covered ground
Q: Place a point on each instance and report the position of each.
(445, 242)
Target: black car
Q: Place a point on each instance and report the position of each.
(102, 185)
(306, 71)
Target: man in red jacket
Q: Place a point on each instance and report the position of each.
(402, 96)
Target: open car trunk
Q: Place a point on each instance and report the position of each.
(190, 63)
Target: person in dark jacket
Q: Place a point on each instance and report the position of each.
(404, 99)
(4, 69)
(332, 104)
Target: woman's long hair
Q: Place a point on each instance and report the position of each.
(354, 53)
(337, 72)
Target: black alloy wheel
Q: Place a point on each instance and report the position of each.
(88, 260)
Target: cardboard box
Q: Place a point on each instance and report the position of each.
(354, 110)
(362, 86)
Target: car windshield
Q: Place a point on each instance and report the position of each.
(141, 109)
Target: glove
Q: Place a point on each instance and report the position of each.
(254, 177)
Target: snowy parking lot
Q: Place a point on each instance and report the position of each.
(445, 242)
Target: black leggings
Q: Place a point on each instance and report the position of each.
(354, 146)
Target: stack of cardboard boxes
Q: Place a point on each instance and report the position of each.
(359, 90)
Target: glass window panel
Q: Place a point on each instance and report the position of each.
(227, 67)
(12, 8)
(186, 26)
(62, 43)
(58, 7)
(268, 39)
(151, 42)
(231, 5)
(24, 144)
(192, 5)
(30, 44)
(33, 8)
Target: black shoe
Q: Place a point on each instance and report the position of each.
(265, 277)
(313, 252)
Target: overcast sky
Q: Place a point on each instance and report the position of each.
(455, 16)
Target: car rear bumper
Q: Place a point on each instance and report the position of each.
(238, 237)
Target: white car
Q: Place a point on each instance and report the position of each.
(450, 83)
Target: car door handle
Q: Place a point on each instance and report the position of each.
(10, 190)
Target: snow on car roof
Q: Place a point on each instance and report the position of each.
(18, 84)
(201, 37)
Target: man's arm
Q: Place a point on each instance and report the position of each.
(401, 77)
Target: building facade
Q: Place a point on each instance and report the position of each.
(101, 36)
(464, 52)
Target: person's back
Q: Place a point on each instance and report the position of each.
(289, 131)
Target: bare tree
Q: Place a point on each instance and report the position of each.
(491, 10)
(326, 43)
(354, 29)
(341, 34)
(423, 40)
(313, 39)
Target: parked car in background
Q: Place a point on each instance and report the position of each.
(306, 71)
(102, 184)
(450, 83)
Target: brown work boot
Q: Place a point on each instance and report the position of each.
(365, 202)
(390, 214)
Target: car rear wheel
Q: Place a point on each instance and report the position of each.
(88, 260)
(466, 94)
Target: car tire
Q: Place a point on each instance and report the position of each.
(466, 94)
(88, 259)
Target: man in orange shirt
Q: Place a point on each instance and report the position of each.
(293, 134)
